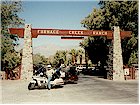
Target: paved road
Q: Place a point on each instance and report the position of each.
(89, 89)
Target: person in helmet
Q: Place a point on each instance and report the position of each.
(49, 74)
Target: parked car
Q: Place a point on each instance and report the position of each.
(82, 68)
(86, 71)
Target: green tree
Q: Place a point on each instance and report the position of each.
(95, 50)
(74, 54)
(80, 54)
(64, 56)
(39, 59)
(9, 18)
(116, 13)
(9, 14)
(60, 56)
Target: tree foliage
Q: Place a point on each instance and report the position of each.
(115, 13)
(66, 57)
(9, 18)
(9, 14)
(80, 55)
(60, 56)
(40, 59)
(95, 49)
(74, 54)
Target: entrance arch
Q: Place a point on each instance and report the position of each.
(28, 33)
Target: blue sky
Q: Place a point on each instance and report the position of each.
(56, 14)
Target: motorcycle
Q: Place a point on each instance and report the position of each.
(41, 81)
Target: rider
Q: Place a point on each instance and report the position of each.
(49, 74)
(58, 69)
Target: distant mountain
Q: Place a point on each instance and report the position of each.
(51, 49)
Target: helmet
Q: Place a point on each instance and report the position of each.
(49, 66)
(41, 74)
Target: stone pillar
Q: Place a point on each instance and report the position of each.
(118, 73)
(27, 60)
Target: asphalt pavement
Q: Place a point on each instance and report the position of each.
(89, 89)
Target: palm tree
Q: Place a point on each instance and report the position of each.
(85, 44)
(80, 52)
(64, 56)
(74, 55)
(59, 56)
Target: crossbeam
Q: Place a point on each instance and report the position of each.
(60, 32)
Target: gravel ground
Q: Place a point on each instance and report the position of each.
(89, 89)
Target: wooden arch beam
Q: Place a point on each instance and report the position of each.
(60, 32)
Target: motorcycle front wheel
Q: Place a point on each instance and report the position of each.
(31, 86)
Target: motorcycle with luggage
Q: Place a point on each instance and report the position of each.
(41, 81)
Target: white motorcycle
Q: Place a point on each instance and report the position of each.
(42, 82)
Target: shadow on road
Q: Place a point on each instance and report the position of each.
(71, 82)
(54, 87)
(57, 87)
